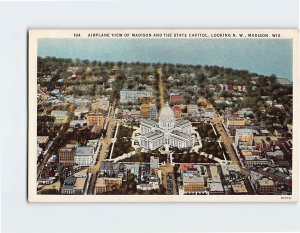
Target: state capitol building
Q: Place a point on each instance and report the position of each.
(166, 132)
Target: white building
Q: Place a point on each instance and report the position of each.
(78, 123)
(61, 117)
(167, 132)
(81, 110)
(84, 156)
(133, 95)
(192, 108)
(208, 113)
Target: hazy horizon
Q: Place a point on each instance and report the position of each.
(261, 56)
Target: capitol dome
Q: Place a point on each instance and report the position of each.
(166, 117)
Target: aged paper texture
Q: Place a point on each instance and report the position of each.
(163, 115)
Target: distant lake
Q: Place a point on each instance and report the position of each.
(262, 56)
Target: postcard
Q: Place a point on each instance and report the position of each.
(163, 115)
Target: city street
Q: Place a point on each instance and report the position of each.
(161, 87)
(168, 169)
(228, 143)
(104, 150)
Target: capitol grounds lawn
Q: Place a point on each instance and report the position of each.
(209, 143)
(144, 157)
(209, 146)
(191, 158)
(205, 130)
(123, 143)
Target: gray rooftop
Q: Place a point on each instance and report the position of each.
(277, 173)
(70, 180)
(85, 150)
(274, 153)
(193, 179)
(106, 165)
(149, 122)
(154, 135)
(182, 122)
(180, 134)
(216, 187)
(192, 106)
(59, 113)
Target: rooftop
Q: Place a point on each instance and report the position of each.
(149, 122)
(215, 187)
(64, 149)
(265, 182)
(181, 134)
(276, 172)
(75, 122)
(81, 108)
(102, 99)
(193, 179)
(70, 146)
(100, 182)
(85, 150)
(233, 118)
(193, 106)
(244, 131)
(275, 153)
(80, 183)
(284, 81)
(239, 188)
(106, 165)
(260, 139)
(42, 139)
(154, 135)
(182, 122)
(185, 166)
(176, 108)
(59, 113)
(70, 180)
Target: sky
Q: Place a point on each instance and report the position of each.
(262, 56)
